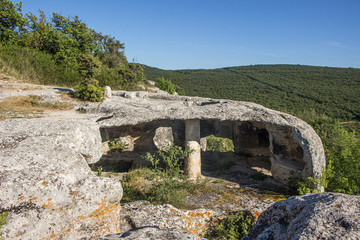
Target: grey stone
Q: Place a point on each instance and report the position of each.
(107, 92)
(47, 185)
(151, 233)
(141, 214)
(311, 216)
(128, 143)
(163, 138)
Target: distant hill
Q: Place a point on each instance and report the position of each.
(295, 89)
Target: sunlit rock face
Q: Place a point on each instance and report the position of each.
(311, 216)
(47, 186)
(291, 146)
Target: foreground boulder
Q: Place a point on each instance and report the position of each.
(140, 214)
(47, 186)
(312, 216)
(151, 233)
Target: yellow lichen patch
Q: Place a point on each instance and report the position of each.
(255, 214)
(45, 183)
(21, 198)
(103, 221)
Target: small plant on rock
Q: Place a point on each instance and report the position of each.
(116, 145)
(234, 226)
(3, 222)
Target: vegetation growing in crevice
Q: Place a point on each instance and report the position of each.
(234, 226)
(164, 182)
(3, 221)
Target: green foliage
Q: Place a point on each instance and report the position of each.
(260, 176)
(62, 51)
(90, 91)
(342, 152)
(3, 222)
(309, 186)
(99, 171)
(12, 23)
(162, 189)
(116, 145)
(170, 161)
(168, 184)
(218, 144)
(235, 226)
(168, 86)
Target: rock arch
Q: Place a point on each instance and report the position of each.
(291, 144)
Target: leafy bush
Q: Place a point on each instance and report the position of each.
(168, 86)
(235, 226)
(168, 184)
(170, 162)
(342, 150)
(90, 91)
(260, 176)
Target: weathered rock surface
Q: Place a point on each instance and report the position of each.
(312, 216)
(47, 185)
(152, 233)
(141, 214)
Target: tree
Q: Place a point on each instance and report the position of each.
(12, 23)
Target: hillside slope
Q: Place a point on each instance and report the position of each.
(291, 88)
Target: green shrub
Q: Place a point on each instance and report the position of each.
(235, 226)
(168, 86)
(90, 91)
(170, 162)
(260, 176)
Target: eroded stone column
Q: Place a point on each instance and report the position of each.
(192, 141)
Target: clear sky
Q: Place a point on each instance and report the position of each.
(191, 34)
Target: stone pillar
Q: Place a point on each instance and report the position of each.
(107, 92)
(192, 141)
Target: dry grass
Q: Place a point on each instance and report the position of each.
(28, 107)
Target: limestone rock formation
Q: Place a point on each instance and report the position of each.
(291, 145)
(47, 185)
(151, 233)
(312, 216)
(141, 214)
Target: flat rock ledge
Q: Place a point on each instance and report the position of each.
(311, 216)
(46, 184)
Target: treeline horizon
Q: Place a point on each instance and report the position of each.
(295, 89)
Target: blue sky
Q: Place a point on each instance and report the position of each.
(191, 34)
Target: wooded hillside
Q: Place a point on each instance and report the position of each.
(295, 89)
